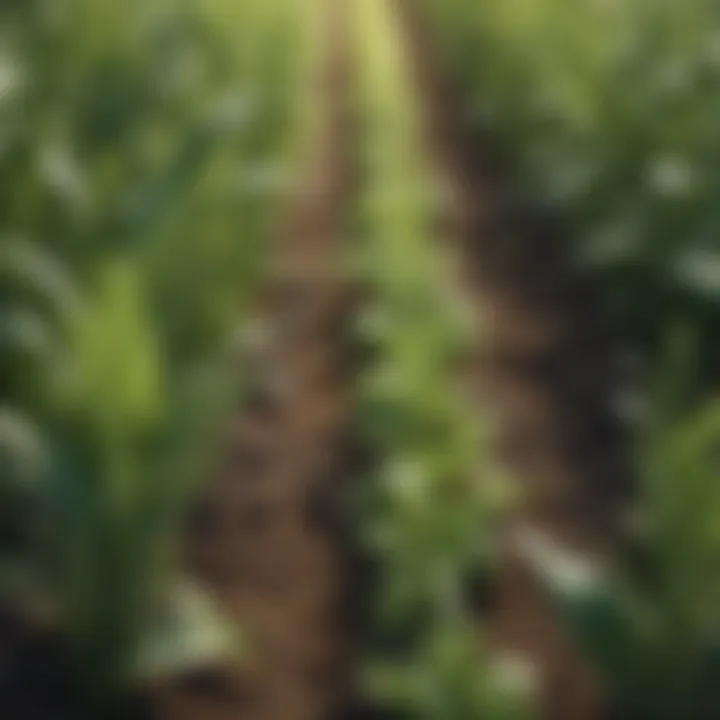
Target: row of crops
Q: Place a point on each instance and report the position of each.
(144, 147)
(426, 514)
(607, 114)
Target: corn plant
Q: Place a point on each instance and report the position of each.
(143, 148)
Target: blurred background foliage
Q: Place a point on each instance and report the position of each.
(609, 111)
(146, 148)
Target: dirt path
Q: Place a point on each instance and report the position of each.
(268, 536)
(546, 370)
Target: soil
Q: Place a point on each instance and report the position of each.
(269, 537)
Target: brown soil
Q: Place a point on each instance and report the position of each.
(268, 537)
(546, 369)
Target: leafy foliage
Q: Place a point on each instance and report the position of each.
(606, 109)
(132, 221)
(651, 626)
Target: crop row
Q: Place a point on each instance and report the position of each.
(427, 511)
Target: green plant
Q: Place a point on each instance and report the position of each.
(135, 155)
(605, 111)
(651, 624)
(428, 514)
